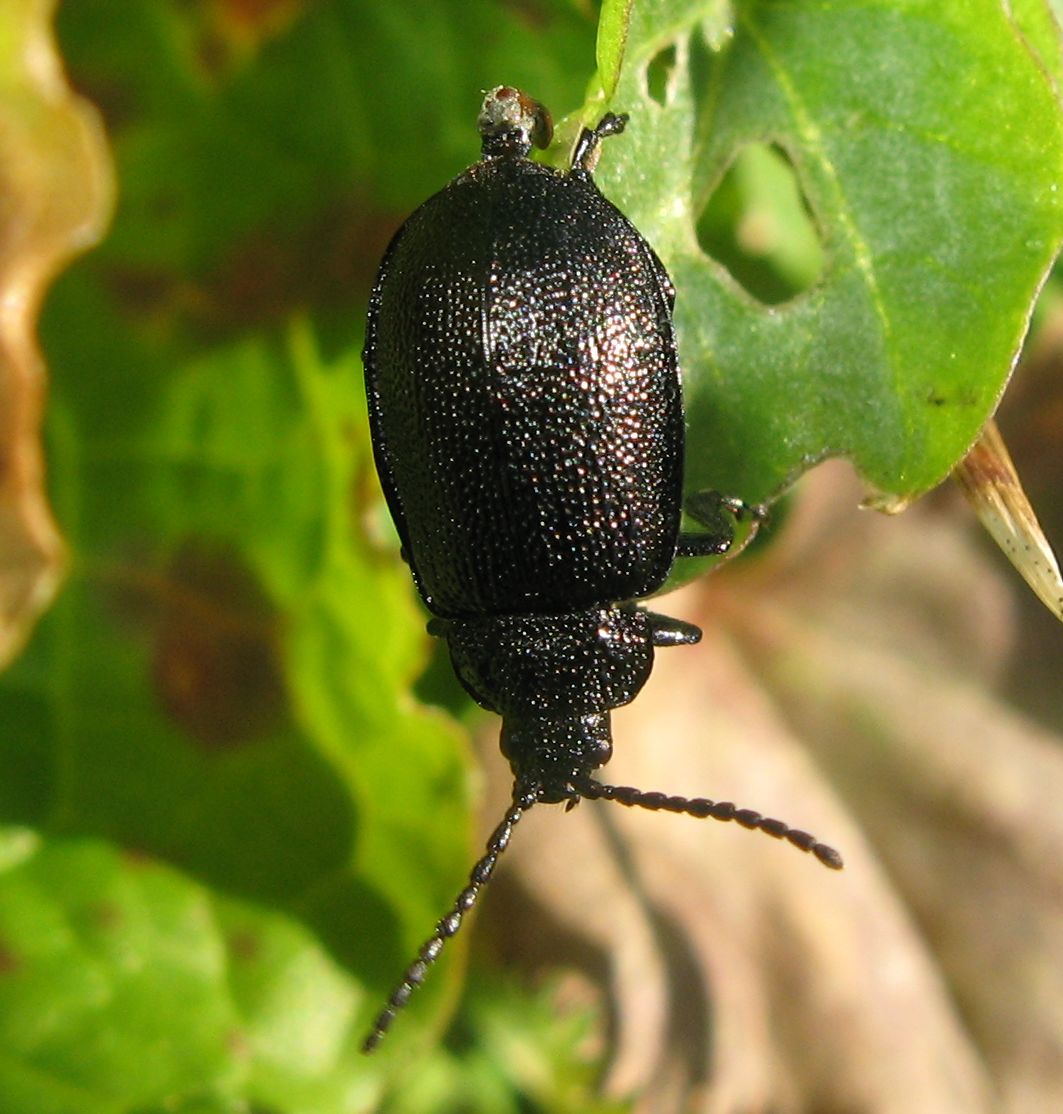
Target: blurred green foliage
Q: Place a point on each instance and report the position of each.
(228, 823)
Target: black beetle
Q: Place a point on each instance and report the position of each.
(527, 425)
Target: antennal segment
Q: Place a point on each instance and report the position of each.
(523, 798)
(703, 808)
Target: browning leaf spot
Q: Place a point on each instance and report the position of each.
(245, 945)
(9, 962)
(216, 665)
(106, 916)
(264, 276)
(238, 1044)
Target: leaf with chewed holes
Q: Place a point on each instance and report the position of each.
(926, 140)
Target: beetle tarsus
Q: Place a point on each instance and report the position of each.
(711, 510)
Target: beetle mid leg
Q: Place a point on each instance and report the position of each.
(717, 513)
(667, 631)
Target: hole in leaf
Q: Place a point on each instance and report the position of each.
(758, 224)
(659, 74)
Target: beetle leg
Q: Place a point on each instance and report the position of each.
(672, 632)
(585, 156)
(707, 508)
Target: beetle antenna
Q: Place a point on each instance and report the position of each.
(702, 808)
(524, 796)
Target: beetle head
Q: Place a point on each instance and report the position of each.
(511, 122)
(556, 753)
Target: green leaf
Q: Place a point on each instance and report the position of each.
(513, 1051)
(927, 142)
(223, 684)
(612, 38)
(123, 982)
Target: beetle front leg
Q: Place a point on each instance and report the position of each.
(586, 153)
(715, 512)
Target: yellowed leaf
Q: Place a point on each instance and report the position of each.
(56, 184)
(988, 478)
